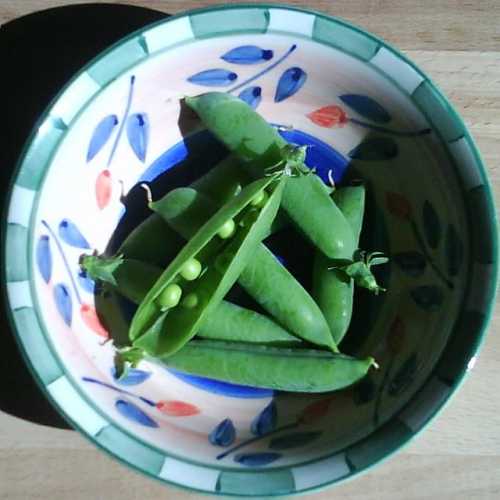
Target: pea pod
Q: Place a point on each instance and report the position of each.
(333, 289)
(264, 277)
(305, 198)
(181, 324)
(285, 369)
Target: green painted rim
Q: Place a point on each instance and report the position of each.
(357, 33)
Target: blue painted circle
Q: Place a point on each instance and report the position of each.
(320, 156)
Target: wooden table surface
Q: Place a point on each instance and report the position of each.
(458, 457)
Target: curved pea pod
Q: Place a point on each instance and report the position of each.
(180, 324)
(133, 279)
(264, 277)
(305, 200)
(285, 369)
(333, 289)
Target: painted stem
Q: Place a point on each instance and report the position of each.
(255, 439)
(65, 260)
(264, 71)
(116, 389)
(385, 130)
(124, 119)
(428, 257)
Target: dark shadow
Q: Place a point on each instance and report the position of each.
(40, 52)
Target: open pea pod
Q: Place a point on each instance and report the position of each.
(305, 199)
(219, 273)
(264, 277)
(285, 369)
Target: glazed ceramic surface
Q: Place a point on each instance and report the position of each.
(370, 115)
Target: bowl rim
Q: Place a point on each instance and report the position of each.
(45, 116)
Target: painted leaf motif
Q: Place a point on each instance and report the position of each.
(265, 421)
(223, 434)
(86, 283)
(64, 303)
(290, 82)
(101, 135)
(133, 413)
(411, 263)
(138, 134)
(177, 408)
(70, 234)
(366, 107)
(213, 78)
(103, 189)
(398, 205)
(454, 250)
(44, 257)
(428, 297)
(247, 54)
(252, 96)
(314, 411)
(404, 376)
(432, 225)
(257, 459)
(134, 376)
(396, 336)
(328, 116)
(92, 321)
(375, 149)
(293, 440)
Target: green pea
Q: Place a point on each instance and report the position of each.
(191, 269)
(284, 369)
(170, 296)
(259, 200)
(251, 138)
(190, 301)
(227, 229)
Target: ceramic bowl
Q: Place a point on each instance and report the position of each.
(370, 114)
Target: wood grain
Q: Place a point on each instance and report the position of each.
(458, 457)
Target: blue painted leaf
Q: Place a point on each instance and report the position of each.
(71, 235)
(432, 225)
(404, 376)
(223, 434)
(256, 459)
(247, 54)
(428, 297)
(375, 149)
(64, 303)
(134, 413)
(101, 135)
(411, 263)
(290, 82)
(86, 283)
(252, 96)
(134, 376)
(454, 250)
(366, 107)
(214, 78)
(138, 134)
(294, 440)
(265, 421)
(44, 257)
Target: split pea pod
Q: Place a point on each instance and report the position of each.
(257, 143)
(264, 277)
(285, 369)
(133, 279)
(332, 288)
(159, 326)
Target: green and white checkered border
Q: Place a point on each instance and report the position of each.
(164, 36)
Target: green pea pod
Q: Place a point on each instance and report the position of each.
(305, 199)
(333, 289)
(264, 277)
(180, 324)
(285, 369)
(133, 279)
